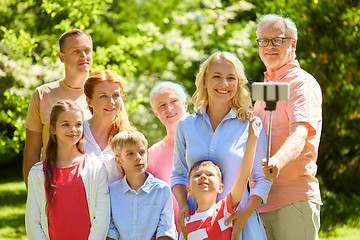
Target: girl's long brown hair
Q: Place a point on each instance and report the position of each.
(121, 121)
(51, 149)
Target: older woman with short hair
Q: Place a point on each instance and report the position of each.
(169, 103)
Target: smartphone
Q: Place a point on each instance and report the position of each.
(270, 91)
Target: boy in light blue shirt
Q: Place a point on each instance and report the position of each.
(141, 205)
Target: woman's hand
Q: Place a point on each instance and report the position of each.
(238, 219)
(184, 212)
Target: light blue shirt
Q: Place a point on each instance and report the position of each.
(138, 215)
(195, 140)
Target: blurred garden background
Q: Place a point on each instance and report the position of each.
(150, 40)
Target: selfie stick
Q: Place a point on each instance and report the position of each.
(270, 106)
(270, 92)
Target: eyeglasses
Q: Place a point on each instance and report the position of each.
(263, 42)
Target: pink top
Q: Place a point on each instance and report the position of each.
(160, 163)
(160, 159)
(69, 213)
(296, 182)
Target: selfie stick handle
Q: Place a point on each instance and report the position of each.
(270, 106)
(269, 139)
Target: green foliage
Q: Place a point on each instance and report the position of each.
(338, 208)
(12, 128)
(338, 61)
(166, 42)
(18, 77)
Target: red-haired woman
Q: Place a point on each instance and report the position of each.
(104, 91)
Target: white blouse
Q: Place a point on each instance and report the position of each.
(107, 156)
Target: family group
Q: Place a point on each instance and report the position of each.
(90, 173)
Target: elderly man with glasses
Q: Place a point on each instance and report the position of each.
(292, 210)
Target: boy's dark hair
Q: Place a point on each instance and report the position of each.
(70, 33)
(207, 163)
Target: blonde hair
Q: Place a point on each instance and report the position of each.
(127, 137)
(241, 102)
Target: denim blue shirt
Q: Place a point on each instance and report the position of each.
(138, 215)
(195, 140)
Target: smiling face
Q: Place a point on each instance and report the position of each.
(221, 82)
(274, 57)
(106, 100)
(205, 178)
(133, 158)
(168, 106)
(68, 128)
(77, 54)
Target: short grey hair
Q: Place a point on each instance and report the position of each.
(291, 30)
(179, 89)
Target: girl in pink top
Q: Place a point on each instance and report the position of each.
(68, 195)
(169, 103)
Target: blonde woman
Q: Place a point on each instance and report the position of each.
(218, 132)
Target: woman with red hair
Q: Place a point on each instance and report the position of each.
(104, 91)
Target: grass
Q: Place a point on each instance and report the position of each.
(12, 215)
(344, 232)
(12, 210)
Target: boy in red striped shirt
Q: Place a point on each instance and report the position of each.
(205, 183)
